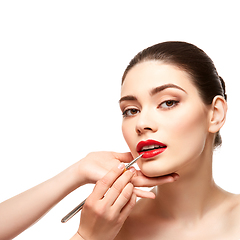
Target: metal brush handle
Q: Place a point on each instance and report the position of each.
(77, 209)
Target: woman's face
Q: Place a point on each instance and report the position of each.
(163, 117)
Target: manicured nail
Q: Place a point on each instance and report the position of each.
(132, 169)
(121, 166)
(176, 177)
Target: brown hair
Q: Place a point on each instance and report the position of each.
(191, 59)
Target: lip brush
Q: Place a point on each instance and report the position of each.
(79, 207)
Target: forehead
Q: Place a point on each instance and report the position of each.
(151, 74)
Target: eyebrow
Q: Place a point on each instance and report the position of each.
(153, 92)
(163, 87)
(128, 98)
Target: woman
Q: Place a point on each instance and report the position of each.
(173, 105)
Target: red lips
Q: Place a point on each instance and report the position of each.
(150, 148)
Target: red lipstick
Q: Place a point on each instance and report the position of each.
(150, 148)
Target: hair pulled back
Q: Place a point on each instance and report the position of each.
(191, 59)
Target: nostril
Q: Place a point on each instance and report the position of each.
(141, 130)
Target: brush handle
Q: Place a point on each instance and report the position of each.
(77, 209)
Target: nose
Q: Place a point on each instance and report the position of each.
(146, 123)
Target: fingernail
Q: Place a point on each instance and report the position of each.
(132, 169)
(121, 166)
(176, 177)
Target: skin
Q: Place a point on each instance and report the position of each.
(193, 207)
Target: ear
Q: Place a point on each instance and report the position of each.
(218, 113)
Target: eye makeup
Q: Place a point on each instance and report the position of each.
(169, 104)
(129, 112)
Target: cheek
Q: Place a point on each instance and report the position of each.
(128, 134)
(185, 137)
(189, 132)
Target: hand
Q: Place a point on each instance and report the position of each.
(112, 200)
(97, 164)
(108, 206)
(140, 180)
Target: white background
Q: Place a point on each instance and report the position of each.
(61, 64)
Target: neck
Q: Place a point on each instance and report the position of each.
(192, 194)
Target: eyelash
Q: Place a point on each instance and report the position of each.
(126, 112)
(169, 107)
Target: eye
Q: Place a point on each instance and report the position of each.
(168, 104)
(130, 112)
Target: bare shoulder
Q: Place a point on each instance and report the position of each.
(232, 215)
(234, 206)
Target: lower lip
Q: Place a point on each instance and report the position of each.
(152, 153)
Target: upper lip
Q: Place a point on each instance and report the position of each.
(148, 142)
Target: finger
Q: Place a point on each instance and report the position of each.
(128, 207)
(142, 181)
(123, 198)
(117, 188)
(106, 182)
(144, 194)
(123, 157)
